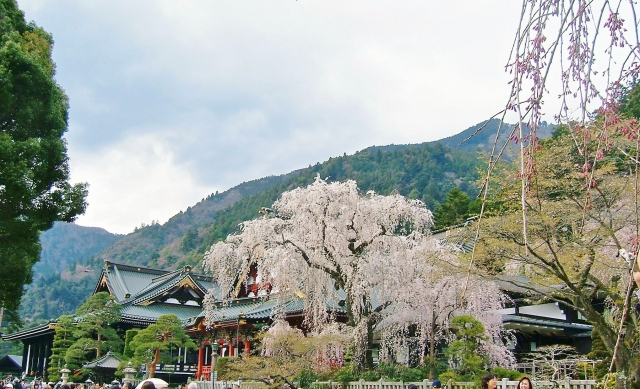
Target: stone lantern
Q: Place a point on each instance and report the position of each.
(129, 373)
(64, 374)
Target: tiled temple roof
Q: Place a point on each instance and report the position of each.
(108, 361)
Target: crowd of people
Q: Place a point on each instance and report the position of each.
(489, 381)
(17, 383)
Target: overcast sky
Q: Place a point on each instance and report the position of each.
(174, 100)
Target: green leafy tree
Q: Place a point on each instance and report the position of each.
(630, 103)
(463, 352)
(456, 209)
(287, 353)
(149, 344)
(94, 334)
(62, 340)
(34, 171)
(600, 354)
(581, 208)
(128, 351)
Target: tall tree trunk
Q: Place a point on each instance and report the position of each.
(152, 368)
(369, 350)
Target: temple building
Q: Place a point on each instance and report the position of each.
(145, 294)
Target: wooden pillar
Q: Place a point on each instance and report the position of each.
(27, 360)
(200, 362)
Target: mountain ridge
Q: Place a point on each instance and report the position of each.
(426, 171)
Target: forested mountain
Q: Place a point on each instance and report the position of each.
(143, 246)
(425, 171)
(479, 138)
(64, 273)
(483, 141)
(72, 255)
(67, 243)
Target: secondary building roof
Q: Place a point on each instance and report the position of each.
(108, 361)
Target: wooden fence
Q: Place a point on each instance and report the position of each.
(426, 384)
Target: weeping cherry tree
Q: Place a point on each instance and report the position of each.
(333, 247)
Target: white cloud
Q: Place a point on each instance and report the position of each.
(176, 98)
(135, 181)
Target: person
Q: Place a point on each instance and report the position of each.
(412, 386)
(148, 385)
(436, 384)
(524, 383)
(489, 381)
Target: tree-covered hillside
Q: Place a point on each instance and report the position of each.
(68, 243)
(142, 247)
(65, 271)
(484, 137)
(425, 171)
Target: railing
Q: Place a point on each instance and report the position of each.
(230, 384)
(426, 384)
(176, 368)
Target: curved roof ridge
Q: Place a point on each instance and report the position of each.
(123, 284)
(169, 274)
(109, 360)
(158, 288)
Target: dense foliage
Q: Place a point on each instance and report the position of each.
(457, 208)
(66, 272)
(582, 208)
(62, 340)
(93, 334)
(150, 343)
(34, 171)
(55, 294)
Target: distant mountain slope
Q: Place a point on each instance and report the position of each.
(143, 245)
(425, 171)
(62, 277)
(67, 243)
(484, 139)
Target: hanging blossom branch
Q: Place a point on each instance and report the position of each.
(585, 53)
(565, 38)
(555, 48)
